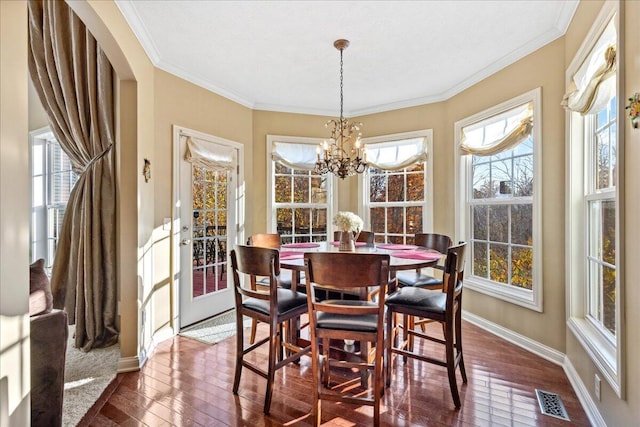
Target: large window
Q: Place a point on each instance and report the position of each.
(397, 188)
(594, 182)
(300, 202)
(498, 199)
(51, 183)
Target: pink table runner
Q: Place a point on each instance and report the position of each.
(291, 255)
(418, 254)
(395, 246)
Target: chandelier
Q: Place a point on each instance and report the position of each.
(344, 154)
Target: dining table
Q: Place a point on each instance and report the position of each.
(402, 257)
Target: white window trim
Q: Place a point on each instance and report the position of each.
(272, 225)
(427, 214)
(531, 299)
(608, 357)
(39, 249)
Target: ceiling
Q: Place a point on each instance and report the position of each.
(279, 55)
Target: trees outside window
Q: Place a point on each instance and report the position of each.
(498, 199)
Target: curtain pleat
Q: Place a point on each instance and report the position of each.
(396, 155)
(74, 81)
(209, 156)
(295, 155)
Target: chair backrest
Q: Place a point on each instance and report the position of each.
(368, 237)
(255, 261)
(454, 274)
(349, 272)
(439, 242)
(265, 240)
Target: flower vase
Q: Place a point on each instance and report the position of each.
(347, 242)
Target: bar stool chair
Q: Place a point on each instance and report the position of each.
(358, 320)
(444, 306)
(273, 306)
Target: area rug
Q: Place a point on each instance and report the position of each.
(215, 329)
(86, 376)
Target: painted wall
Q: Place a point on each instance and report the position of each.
(616, 411)
(14, 221)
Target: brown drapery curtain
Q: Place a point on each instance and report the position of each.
(74, 81)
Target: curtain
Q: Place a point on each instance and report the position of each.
(594, 84)
(295, 155)
(209, 156)
(74, 81)
(396, 155)
(500, 133)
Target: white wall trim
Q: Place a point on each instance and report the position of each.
(129, 364)
(548, 353)
(135, 363)
(589, 406)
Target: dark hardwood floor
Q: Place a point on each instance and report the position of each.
(188, 383)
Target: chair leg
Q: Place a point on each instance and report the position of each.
(463, 372)
(239, 351)
(451, 366)
(254, 328)
(325, 366)
(273, 351)
(390, 342)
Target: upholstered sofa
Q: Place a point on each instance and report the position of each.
(49, 332)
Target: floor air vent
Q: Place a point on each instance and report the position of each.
(551, 404)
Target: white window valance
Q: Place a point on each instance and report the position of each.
(210, 156)
(499, 133)
(594, 84)
(296, 155)
(396, 155)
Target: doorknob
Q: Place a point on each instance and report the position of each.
(185, 242)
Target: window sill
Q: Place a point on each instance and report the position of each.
(514, 295)
(600, 350)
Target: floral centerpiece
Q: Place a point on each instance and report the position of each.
(348, 221)
(350, 226)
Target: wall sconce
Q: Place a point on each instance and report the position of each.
(146, 170)
(634, 109)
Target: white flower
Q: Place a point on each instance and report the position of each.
(348, 221)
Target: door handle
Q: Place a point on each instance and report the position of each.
(185, 242)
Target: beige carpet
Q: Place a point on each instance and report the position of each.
(214, 330)
(85, 378)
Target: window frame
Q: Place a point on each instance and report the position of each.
(605, 353)
(40, 223)
(363, 180)
(332, 184)
(531, 299)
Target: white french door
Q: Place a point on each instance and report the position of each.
(207, 208)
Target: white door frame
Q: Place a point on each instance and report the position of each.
(239, 201)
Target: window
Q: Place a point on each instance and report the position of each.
(594, 198)
(300, 200)
(396, 189)
(51, 183)
(498, 195)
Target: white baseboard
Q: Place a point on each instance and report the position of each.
(528, 344)
(584, 397)
(128, 364)
(135, 363)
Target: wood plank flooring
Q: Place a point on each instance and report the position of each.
(188, 383)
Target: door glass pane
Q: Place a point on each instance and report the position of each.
(209, 234)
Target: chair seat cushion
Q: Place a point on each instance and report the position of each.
(287, 301)
(363, 323)
(429, 301)
(406, 278)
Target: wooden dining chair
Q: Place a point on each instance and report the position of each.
(368, 237)
(273, 241)
(358, 320)
(444, 306)
(438, 242)
(273, 306)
